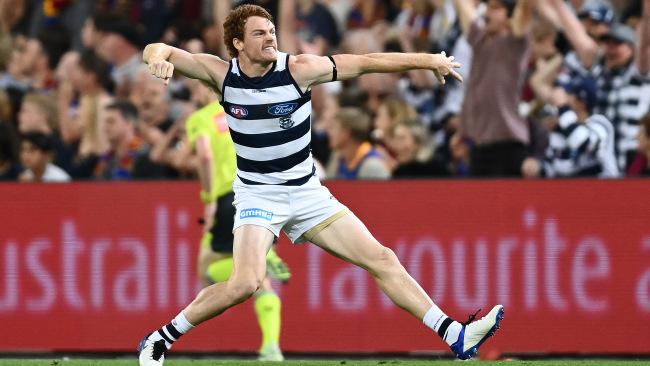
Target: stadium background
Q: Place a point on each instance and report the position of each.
(569, 258)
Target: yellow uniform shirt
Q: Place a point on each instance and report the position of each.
(211, 121)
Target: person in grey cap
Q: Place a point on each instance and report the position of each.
(621, 67)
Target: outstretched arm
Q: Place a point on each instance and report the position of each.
(586, 47)
(163, 60)
(522, 18)
(467, 14)
(310, 70)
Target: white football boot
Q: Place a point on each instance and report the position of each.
(151, 353)
(474, 333)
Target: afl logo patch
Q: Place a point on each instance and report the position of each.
(282, 109)
(238, 111)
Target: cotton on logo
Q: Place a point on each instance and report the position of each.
(238, 111)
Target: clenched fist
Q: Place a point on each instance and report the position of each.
(162, 70)
(156, 55)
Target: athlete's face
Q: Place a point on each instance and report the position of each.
(260, 43)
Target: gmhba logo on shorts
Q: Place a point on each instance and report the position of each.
(257, 213)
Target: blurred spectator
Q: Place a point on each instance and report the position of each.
(414, 153)
(316, 28)
(173, 149)
(13, 16)
(353, 155)
(581, 143)
(641, 165)
(69, 15)
(378, 88)
(38, 113)
(89, 77)
(597, 17)
(118, 43)
(66, 96)
(414, 24)
(321, 120)
(9, 167)
(391, 112)
(42, 55)
(543, 48)
(621, 72)
(15, 80)
(490, 116)
(367, 13)
(459, 150)
(36, 150)
(153, 100)
(125, 147)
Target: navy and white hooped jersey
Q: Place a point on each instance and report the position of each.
(269, 120)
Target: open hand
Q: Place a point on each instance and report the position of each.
(445, 66)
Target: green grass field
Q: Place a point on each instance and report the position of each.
(220, 362)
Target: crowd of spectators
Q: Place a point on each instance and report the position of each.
(552, 88)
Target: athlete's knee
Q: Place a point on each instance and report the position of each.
(243, 287)
(385, 260)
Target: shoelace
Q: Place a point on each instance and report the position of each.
(471, 318)
(159, 349)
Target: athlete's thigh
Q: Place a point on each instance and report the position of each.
(251, 244)
(349, 239)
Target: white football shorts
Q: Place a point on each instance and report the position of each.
(300, 211)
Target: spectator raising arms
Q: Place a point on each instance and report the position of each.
(490, 116)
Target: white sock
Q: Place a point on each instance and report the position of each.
(435, 318)
(171, 332)
(181, 323)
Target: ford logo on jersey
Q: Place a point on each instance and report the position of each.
(282, 109)
(238, 111)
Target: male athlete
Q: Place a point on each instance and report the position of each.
(266, 95)
(208, 134)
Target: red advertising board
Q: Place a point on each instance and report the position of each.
(93, 267)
